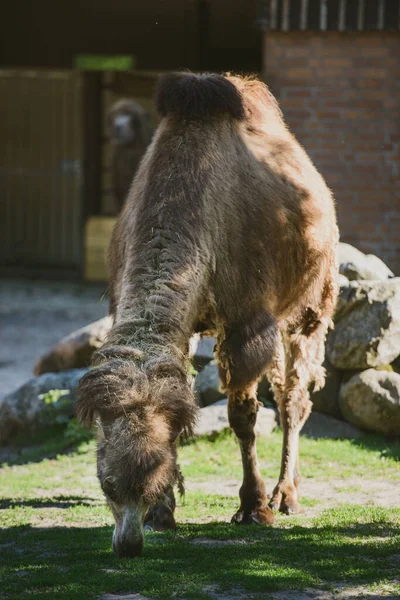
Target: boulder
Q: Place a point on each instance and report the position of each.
(265, 393)
(367, 329)
(357, 266)
(326, 400)
(371, 400)
(75, 350)
(342, 280)
(201, 351)
(26, 409)
(207, 385)
(320, 426)
(396, 365)
(214, 418)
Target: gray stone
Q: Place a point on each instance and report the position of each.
(367, 330)
(323, 426)
(265, 393)
(75, 350)
(214, 418)
(207, 385)
(326, 400)
(355, 265)
(25, 410)
(342, 280)
(202, 351)
(371, 401)
(396, 365)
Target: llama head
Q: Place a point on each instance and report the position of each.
(139, 414)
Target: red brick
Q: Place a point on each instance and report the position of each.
(375, 51)
(345, 109)
(337, 62)
(298, 73)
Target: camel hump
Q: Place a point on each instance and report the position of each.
(198, 96)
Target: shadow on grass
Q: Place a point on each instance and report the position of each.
(62, 501)
(78, 562)
(388, 447)
(36, 447)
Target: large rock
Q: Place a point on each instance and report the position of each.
(207, 385)
(371, 401)
(26, 410)
(214, 418)
(355, 265)
(367, 330)
(326, 400)
(320, 426)
(396, 365)
(201, 351)
(75, 350)
(265, 393)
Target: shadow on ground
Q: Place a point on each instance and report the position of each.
(62, 501)
(35, 448)
(198, 561)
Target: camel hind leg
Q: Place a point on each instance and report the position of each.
(160, 516)
(303, 350)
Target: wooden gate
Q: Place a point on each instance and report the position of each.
(41, 171)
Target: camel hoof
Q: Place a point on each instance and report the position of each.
(290, 508)
(260, 516)
(285, 504)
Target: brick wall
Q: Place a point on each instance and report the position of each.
(340, 94)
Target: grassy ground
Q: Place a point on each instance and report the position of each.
(55, 535)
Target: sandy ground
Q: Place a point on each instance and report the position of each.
(34, 316)
(327, 494)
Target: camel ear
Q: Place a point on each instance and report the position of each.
(85, 405)
(110, 390)
(95, 399)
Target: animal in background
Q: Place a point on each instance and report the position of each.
(130, 134)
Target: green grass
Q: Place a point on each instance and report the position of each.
(366, 457)
(55, 532)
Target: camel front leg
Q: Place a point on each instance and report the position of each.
(242, 412)
(160, 516)
(294, 413)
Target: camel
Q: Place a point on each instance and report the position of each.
(129, 133)
(229, 231)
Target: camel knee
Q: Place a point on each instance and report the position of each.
(295, 410)
(242, 415)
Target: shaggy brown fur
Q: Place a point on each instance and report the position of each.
(228, 230)
(130, 134)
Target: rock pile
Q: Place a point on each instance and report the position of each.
(362, 352)
(362, 363)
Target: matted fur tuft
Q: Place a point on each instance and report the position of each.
(120, 386)
(192, 96)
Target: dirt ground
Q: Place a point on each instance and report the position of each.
(327, 494)
(34, 315)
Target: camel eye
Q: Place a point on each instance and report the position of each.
(108, 487)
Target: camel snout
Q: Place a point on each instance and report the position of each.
(127, 548)
(128, 536)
